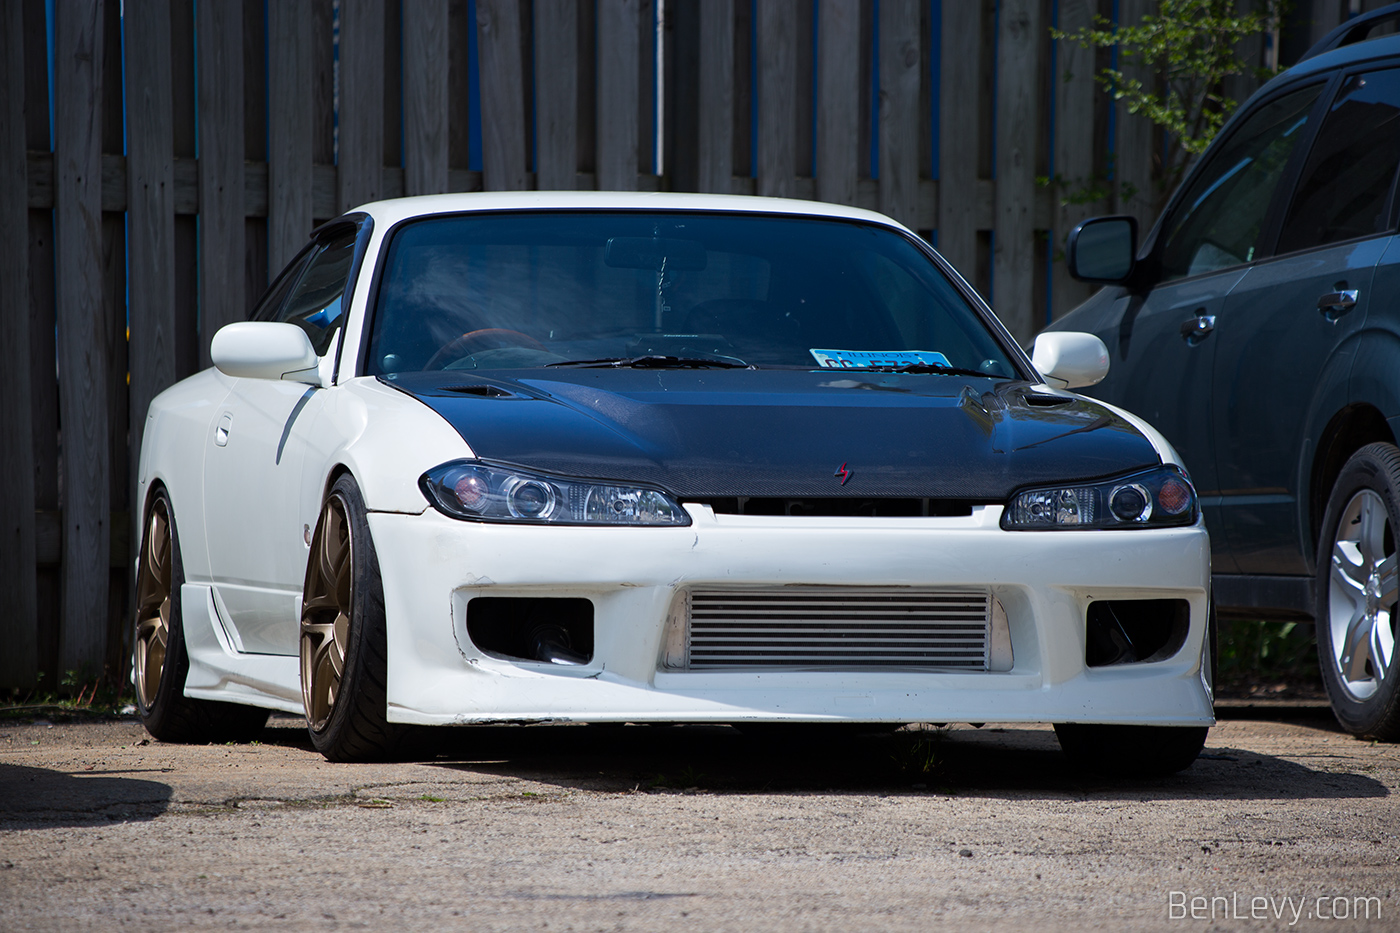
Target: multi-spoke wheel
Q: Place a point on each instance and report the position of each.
(153, 602)
(343, 652)
(159, 659)
(325, 613)
(1358, 587)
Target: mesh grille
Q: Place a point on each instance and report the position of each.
(838, 628)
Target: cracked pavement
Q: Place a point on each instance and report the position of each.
(696, 827)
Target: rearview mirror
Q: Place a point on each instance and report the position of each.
(1070, 359)
(1102, 250)
(265, 350)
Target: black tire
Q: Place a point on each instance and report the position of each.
(1357, 593)
(1131, 751)
(350, 723)
(165, 711)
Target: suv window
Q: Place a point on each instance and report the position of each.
(315, 302)
(1218, 221)
(1345, 188)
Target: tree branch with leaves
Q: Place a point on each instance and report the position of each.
(1190, 47)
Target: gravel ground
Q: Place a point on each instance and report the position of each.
(696, 828)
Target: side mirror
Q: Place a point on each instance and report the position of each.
(1102, 250)
(1070, 359)
(265, 350)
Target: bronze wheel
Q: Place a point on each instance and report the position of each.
(325, 613)
(153, 603)
(160, 662)
(344, 655)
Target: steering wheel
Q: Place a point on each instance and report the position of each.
(487, 338)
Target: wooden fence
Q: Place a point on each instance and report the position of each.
(161, 159)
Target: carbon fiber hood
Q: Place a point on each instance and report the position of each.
(710, 433)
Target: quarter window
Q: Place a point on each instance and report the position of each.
(1344, 192)
(1219, 220)
(316, 302)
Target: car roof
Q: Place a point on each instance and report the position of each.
(390, 212)
(1340, 57)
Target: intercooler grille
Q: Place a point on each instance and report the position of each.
(838, 628)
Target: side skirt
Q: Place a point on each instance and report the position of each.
(218, 672)
(1274, 598)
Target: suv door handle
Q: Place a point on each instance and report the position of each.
(1198, 328)
(1334, 304)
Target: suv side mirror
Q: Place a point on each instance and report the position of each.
(1102, 250)
(265, 350)
(1070, 358)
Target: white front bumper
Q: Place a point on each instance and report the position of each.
(432, 565)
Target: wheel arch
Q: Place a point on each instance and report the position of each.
(1350, 429)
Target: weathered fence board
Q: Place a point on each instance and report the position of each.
(19, 662)
(556, 94)
(425, 70)
(838, 100)
(502, 98)
(81, 334)
(1132, 163)
(1073, 158)
(222, 292)
(619, 60)
(290, 128)
(958, 110)
(44, 392)
(150, 206)
(360, 155)
(114, 301)
(715, 134)
(777, 97)
(1018, 87)
(899, 109)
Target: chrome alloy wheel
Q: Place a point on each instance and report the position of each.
(1362, 596)
(325, 613)
(153, 606)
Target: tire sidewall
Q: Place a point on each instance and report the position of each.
(1375, 467)
(366, 620)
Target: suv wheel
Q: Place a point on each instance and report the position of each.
(1358, 587)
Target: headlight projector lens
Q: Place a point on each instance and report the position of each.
(1130, 503)
(529, 498)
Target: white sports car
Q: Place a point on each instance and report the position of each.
(597, 457)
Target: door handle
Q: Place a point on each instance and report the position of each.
(1198, 328)
(221, 432)
(1334, 304)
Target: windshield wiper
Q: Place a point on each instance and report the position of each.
(656, 361)
(922, 368)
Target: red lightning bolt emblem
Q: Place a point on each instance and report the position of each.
(843, 474)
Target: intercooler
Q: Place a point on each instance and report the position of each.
(834, 628)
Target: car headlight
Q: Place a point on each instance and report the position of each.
(1150, 499)
(486, 492)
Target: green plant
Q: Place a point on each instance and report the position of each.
(1260, 657)
(1189, 47)
(919, 756)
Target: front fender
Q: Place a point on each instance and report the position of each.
(386, 439)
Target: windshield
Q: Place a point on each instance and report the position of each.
(523, 290)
